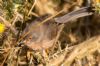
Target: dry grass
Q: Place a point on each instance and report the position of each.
(31, 39)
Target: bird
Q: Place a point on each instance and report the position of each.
(43, 36)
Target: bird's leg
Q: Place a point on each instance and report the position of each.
(44, 54)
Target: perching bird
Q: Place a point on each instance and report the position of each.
(42, 36)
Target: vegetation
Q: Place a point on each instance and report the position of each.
(30, 35)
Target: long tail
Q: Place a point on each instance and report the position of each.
(84, 11)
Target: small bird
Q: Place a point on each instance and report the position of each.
(43, 36)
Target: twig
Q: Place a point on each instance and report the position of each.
(5, 59)
(83, 49)
(79, 51)
(32, 7)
